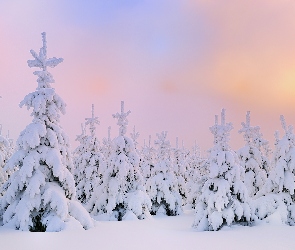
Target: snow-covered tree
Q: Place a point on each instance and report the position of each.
(162, 185)
(41, 193)
(134, 136)
(78, 152)
(282, 179)
(279, 190)
(89, 163)
(5, 154)
(224, 198)
(197, 175)
(251, 158)
(180, 167)
(107, 145)
(10, 149)
(147, 160)
(263, 146)
(122, 194)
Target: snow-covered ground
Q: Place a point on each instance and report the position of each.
(155, 233)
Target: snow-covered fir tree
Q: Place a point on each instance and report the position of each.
(282, 177)
(41, 193)
(263, 146)
(197, 175)
(147, 160)
(122, 194)
(106, 148)
(224, 198)
(134, 136)
(5, 153)
(89, 163)
(162, 185)
(107, 145)
(10, 149)
(251, 158)
(279, 190)
(180, 167)
(78, 152)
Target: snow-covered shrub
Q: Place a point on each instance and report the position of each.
(224, 198)
(122, 191)
(267, 205)
(162, 185)
(251, 158)
(89, 162)
(41, 193)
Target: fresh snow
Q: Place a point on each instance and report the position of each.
(158, 232)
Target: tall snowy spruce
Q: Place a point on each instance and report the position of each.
(162, 185)
(89, 162)
(224, 198)
(41, 193)
(251, 158)
(122, 195)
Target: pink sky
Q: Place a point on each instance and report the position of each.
(175, 63)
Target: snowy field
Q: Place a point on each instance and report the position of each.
(158, 232)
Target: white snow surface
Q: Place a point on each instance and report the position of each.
(158, 232)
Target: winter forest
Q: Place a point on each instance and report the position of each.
(46, 185)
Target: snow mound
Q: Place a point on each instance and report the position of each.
(129, 216)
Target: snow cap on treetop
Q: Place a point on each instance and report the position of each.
(288, 129)
(221, 132)
(122, 119)
(92, 121)
(41, 61)
(250, 132)
(134, 136)
(109, 132)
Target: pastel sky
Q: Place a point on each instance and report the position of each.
(175, 63)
